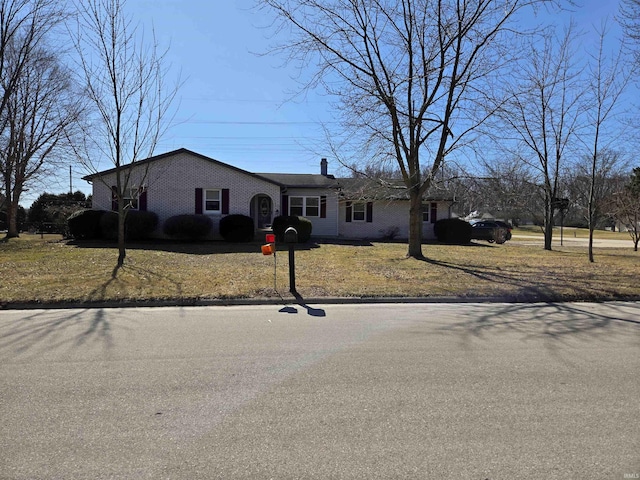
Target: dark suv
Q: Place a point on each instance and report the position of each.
(490, 231)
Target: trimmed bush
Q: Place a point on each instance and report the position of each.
(237, 228)
(453, 231)
(301, 224)
(137, 225)
(85, 224)
(188, 227)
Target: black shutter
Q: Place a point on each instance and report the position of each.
(198, 200)
(114, 198)
(349, 209)
(142, 201)
(285, 205)
(323, 206)
(369, 212)
(225, 201)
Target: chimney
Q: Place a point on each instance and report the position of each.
(323, 167)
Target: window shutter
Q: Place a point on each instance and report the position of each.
(225, 201)
(434, 212)
(369, 212)
(114, 198)
(142, 201)
(323, 206)
(198, 200)
(349, 209)
(285, 205)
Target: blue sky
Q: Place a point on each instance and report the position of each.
(234, 105)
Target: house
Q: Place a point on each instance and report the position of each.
(183, 182)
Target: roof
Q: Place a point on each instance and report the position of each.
(155, 158)
(372, 189)
(301, 180)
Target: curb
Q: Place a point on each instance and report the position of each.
(290, 300)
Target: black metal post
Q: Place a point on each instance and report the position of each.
(292, 270)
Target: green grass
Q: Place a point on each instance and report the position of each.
(50, 270)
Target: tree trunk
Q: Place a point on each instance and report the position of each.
(415, 225)
(122, 253)
(548, 228)
(12, 220)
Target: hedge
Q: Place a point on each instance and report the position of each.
(188, 226)
(453, 231)
(85, 224)
(301, 224)
(138, 225)
(237, 228)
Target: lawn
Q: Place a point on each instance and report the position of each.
(50, 270)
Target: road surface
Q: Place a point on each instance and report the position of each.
(424, 391)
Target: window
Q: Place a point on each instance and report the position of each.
(296, 206)
(212, 201)
(130, 198)
(358, 212)
(304, 206)
(429, 212)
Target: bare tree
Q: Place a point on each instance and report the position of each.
(411, 76)
(125, 81)
(543, 115)
(624, 206)
(608, 80)
(629, 18)
(590, 193)
(38, 104)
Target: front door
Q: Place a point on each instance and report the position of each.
(264, 211)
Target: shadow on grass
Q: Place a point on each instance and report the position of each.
(191, 248)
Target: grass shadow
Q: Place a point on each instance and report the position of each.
(191, 248)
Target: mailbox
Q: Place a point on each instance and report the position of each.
(291, 235)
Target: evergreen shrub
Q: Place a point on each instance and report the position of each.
(301, 224)
(85, 224)
(453, 230)
(137, 226)
(237, 228)
(188, 226)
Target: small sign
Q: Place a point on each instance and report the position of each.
(270, 238)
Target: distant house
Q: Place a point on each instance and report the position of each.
(183, 182)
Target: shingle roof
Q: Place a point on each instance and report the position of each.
(301, 180)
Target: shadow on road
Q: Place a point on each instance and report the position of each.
(314, 312)
(554, 321)
(41, 331)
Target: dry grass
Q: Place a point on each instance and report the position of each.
(49, 270)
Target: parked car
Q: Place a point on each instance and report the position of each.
(489, 231)
(506, 225)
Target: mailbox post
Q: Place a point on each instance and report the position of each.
(291, 238)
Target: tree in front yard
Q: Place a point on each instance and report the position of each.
(412, 77)
(125, 80)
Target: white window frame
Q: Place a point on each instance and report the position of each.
(305, 206)
(131, 201)
(206, 210)
(360, 209)
(426, 212)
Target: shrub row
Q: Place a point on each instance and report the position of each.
(94, 224)
(453, 231)
(301, 224)
(101, 224)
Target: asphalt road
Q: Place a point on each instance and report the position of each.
(424, 391)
